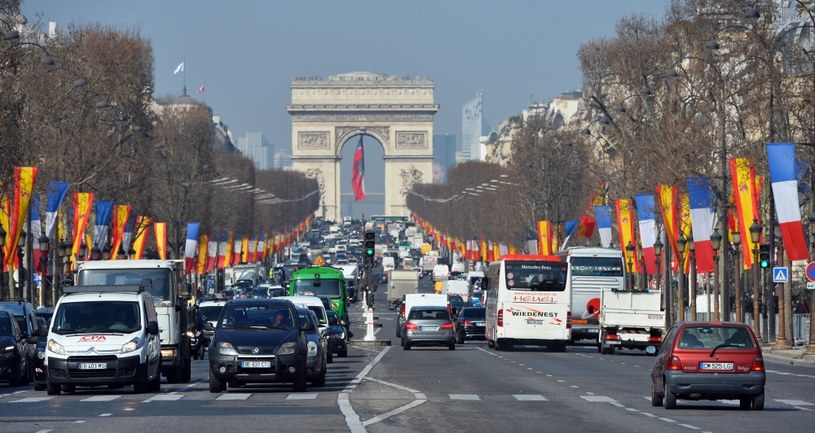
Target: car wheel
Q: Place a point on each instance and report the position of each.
(656, 398)
(319, 382)
(39, 387)
(398, 332)
(670, 398)
(140, 387)
(215, 384)
(52, 389)
(452, 346)
(330, 357)
(460, 338)
(69, 389)
(343, 353)
(186, 372)
(405, 345)
(745, 403)
(758, 402)
(30, 376)
(300, 381)
(155, 384)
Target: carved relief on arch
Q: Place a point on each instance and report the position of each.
(409, 176)
(411, 140)
(316, 173)
(343, 133)
(312, 140)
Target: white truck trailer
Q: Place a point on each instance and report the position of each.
(400, 283)
(630, 320)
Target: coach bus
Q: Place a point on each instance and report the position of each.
(590, 271)
(527, 302)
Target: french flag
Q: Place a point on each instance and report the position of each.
(222, 251)
(55, 197)
(702, 217)
(648, 229)
(781, 158)
(212, 254)
(603, 215)
(190, 246)
(36, 226)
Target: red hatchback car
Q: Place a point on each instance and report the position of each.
(709, 361)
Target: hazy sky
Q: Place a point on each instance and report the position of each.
(246, 53)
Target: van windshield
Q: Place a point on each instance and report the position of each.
(97, 317)
(108, 277)
(328, 288)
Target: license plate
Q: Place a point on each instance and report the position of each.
(429, 328)
(91, 365)
(717, 366)
(613, 343)
(256, 364)
(594, 331)
(479, 323)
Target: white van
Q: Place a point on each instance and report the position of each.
(314, 304)
(110, 335)
(418, 299)
(441, 272)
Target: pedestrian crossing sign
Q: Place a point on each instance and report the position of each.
(780, 274)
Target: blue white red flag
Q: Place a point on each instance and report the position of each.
(648, 229)
(36, 227)
(781, 159)
(190, 246)
(55, 197)
(702, 217)
(104, 211)
(603, 215)
(358, 173)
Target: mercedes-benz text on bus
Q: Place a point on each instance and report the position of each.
(527, 302)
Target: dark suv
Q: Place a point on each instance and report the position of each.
(23, 313)
(471, 324)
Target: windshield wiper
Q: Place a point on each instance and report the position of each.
(712, 352)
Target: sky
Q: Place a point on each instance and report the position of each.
(246, 52)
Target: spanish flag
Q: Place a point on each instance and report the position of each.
(82, 210)
(667, 196)
(24, 178)
(545, 238)
(120, 215)
(685, 226)
(161, 239)
(743, 177)
(625, 224)
(140, 237)
(203, 243)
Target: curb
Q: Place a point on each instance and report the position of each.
(790, 356)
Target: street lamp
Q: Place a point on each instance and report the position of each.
(658, 245)
(83, 251)
(630, 251)
(811, 347)
(737, 277)
(20, 269)
(755, 237)
(682, 245)
(96, 254)
(715, 243)
(692, 285)
(120, 255)
(44, 248)
(106, 252)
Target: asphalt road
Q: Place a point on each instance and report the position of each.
(426, 389)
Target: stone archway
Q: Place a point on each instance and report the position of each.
(398, 112)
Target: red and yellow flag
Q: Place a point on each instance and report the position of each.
(545, 237)
(484, 257)
(685, 226)
(667, 196)
(5, 210)
(161, 239)
(201, 264)
(625, 224)
(142, 230)
(24, 178)
(120, 215)
(82, 209)
(230, 239)
(745, 194)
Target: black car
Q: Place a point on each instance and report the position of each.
(338, 340)
(470, 324)
(23, 313)
(14, 367)
(258, 341)
(44, 315)
(317, 360)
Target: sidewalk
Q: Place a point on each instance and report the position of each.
(793, 355)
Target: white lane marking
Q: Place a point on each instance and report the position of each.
(530, 397)
(539, 372)
(784, 373)
(236, 396)
(31, 400)
(303, 396)
(392, 385)
(631, 409)
(617, 404)
(648, 414)
(589, 393)
(692, 427)
(530, 368)
(81, 421)
(598, 398)
(164, 397)
(548, 375)
(105, 414)
(575, 386)
(667, 419)
(101, 398)
(344, 398)
(396, 411)
(44, 431)
(129, 409)
(796, 402)
(470, 397)
(561, 381)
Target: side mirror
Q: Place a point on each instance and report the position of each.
(152, 327)
(208, 326)
(42, 331)
(307, 326)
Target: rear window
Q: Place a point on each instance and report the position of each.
(473, 312)
(711, 337)
(428, 314)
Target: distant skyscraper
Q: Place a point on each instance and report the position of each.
(473, 127)
(281, 157)
(254, 146)
(444, 155)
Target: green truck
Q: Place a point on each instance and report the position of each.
(322, 281)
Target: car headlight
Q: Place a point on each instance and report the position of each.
(40, 354)
(55, 347)
(131, 345)
(340, 335)
(226, 348)
(312, 348)
(289, 348)
(8, 349)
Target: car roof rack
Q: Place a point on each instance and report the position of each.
(103, 289)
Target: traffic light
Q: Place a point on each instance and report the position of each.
(764, 256)
(370, 244)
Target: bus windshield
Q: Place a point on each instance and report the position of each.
(317, 287)
(160, 290)
(596, 266)
(536, 276)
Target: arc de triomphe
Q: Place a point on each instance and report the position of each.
(398, 112)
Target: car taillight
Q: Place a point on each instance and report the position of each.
(466, 323)
(674, 363)
(500, 320)
(758, 364)
(612, 337)
(411, 325)
(568, 320)
(654, 339)
(448, 325)
(402, 310)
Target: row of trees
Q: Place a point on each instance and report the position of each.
(663, 100)
(80, 107)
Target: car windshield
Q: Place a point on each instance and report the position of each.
(419, 314)
(5, 326)
(711, 337)
(256, 317)
(474, 313)
(211, 312)
(97, 316)
(319, 312)
(160, 278)
(328, 288)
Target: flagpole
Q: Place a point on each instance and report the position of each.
(184, 73)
